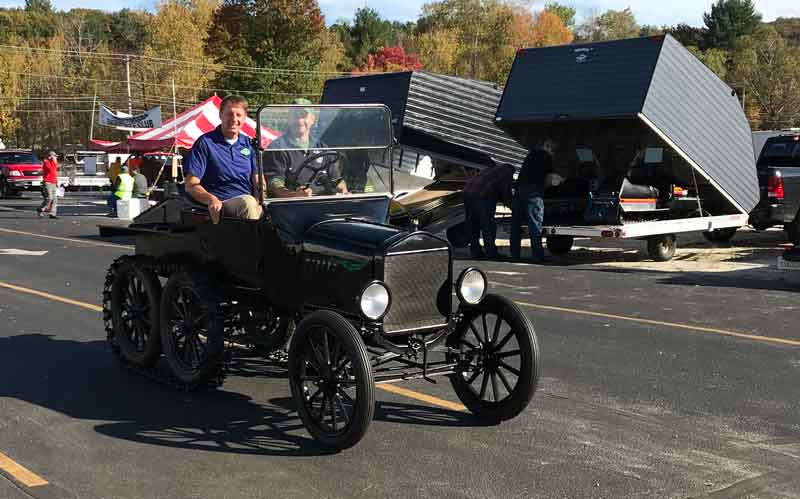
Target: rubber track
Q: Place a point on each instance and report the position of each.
(155, 373)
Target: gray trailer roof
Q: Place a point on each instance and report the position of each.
(434, 112)
(654, 80)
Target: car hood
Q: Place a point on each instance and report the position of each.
(350, 235)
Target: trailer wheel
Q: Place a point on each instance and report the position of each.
(720, 235)
(135, 298)
(500, 371)
(661, 248)
(331, 379)
(191, 328)
(792, 230)
(559, 245)
(760, 226)
(458, 235)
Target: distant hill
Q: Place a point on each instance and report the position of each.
(789, 27)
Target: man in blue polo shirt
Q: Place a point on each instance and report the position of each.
(221, 168)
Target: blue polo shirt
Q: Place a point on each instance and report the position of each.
(225, 170)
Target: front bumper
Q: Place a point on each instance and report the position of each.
(24, 184)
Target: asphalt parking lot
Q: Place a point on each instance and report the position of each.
(659, 380)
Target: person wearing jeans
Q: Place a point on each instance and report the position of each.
(528, 202)
(49, 186)
(527, 207)
(481, 195)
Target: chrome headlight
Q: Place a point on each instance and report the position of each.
(471, 286)
(375, 300)
(15, 173)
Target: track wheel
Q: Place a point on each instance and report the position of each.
(559, 245)
(331, 379)
(500, 368)
(661, 248)
(134, 301)
(191, 328)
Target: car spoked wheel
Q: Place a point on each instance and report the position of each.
(135, 300)
(331, 379)
(499, 372)
(191, 328)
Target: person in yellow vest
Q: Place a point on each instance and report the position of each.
(122, 189)
(112, 174)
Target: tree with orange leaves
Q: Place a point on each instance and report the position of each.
(390, 59)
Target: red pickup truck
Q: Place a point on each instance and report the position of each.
(20, 170)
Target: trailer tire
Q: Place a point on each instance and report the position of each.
(559, 245)
(720, 235)
(661, 248)
(458, 235)
(792, 232)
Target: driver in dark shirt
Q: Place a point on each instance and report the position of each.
(298, 144)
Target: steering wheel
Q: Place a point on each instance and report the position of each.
(328, 159)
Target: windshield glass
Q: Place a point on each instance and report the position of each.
(325, 150)
(781, 151)
(18, 158)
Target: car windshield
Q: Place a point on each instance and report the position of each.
(328, 149)
(18, 158)
(781, 151)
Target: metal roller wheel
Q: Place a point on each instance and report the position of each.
(135, 296)
(500, 372)
(661, 248)
(192, 328)
(331, 380)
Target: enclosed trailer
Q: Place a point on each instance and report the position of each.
(650, 142)
(444, 121)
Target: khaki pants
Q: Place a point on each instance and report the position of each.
(245, 207)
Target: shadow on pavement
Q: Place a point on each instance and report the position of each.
(83, 381)
(744, 279)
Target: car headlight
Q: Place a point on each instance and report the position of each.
(471, 286)
(375, 300)
(15, 173)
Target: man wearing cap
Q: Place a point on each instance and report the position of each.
(122, 188)
(50, 185)
(221, 168)
(288, 152)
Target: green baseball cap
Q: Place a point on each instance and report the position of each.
(302, 101)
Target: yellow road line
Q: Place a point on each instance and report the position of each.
(67, 239)
(398, 390)
(688, 327)
(20, 473)
(42, 294)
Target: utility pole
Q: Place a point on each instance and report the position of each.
(128, 79)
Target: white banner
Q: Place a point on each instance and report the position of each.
(124, 121)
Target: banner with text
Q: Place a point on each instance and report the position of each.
(124, 121)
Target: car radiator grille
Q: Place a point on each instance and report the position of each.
(416, 281)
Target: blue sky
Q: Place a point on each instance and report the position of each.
(647, 11)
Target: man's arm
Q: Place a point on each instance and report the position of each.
(275, 165)
(202, 196)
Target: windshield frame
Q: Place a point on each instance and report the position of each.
(387, 113)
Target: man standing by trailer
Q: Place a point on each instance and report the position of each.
(528, 203)
(481, 195)
(49, 186)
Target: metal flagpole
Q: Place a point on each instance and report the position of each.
(174, 135)
(94, 104)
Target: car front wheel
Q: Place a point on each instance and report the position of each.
(500, 365)
(331, 379)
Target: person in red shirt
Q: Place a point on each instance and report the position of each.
(50, 186)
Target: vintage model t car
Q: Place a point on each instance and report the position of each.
(359, 301)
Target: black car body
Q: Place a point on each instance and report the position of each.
(778, 168)
(20, 170)
(363, 301)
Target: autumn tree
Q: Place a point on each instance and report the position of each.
(611, 25)
(437, 49)
(729, 20)
(688, 36)
(389, 59)
(564, 12)
(280, 39)
(765, 66)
